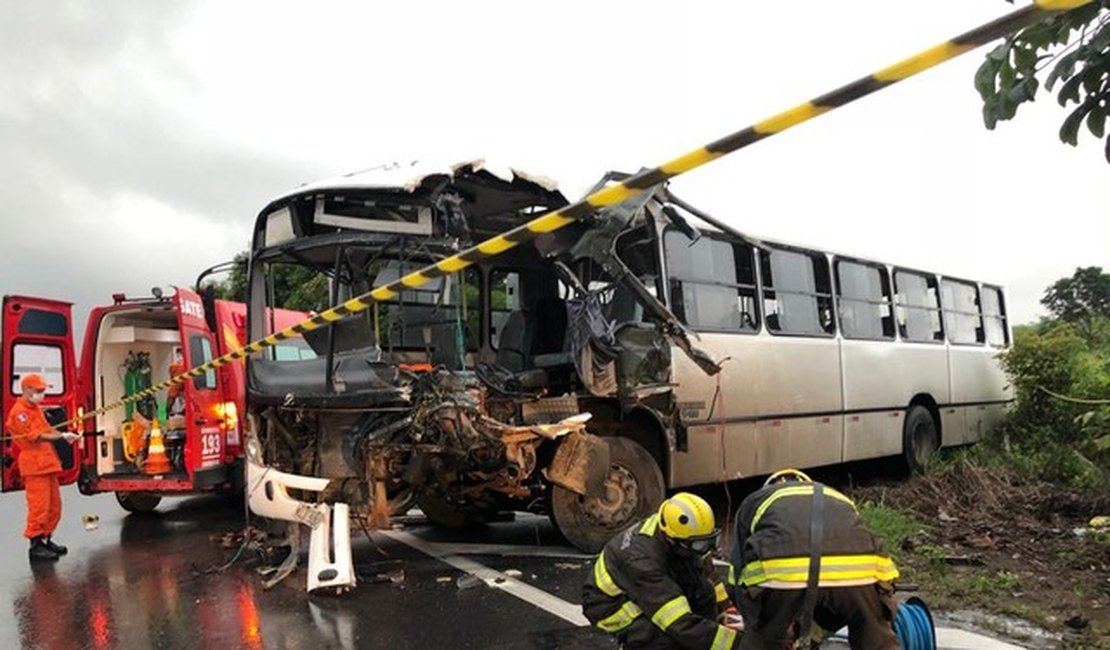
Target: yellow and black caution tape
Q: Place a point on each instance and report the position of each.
(618, 192)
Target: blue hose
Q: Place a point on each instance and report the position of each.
(914, 626)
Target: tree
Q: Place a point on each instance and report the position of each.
(1080, 300)
(1077, 46)
(295, 287)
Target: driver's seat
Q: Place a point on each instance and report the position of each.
(515, 342)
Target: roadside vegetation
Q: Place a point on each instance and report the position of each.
(1012, 525)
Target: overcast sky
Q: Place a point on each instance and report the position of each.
(140, 139)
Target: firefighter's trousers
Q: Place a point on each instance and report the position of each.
(867, 610)
(44, 505)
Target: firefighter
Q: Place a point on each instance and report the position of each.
(801, 557)
(39, 466)
(652, 586)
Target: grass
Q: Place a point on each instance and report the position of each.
(892, 525)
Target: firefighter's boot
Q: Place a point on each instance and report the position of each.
(40, 552)
(53, 546)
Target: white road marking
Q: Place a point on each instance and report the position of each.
(450, 553)
(509, 550)
(954, 639)
(551, 604)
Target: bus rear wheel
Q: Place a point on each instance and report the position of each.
(633, 489)
(138, 502)
(919, 439)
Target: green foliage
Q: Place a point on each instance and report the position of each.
(1083, 300)
(1077, 46)
(997, 582)
(1050, 437)
(234, 287)
(295, 287)
(892, 525)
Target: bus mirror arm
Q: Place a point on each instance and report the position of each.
(671, 327)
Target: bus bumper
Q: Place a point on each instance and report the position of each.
(330, 565)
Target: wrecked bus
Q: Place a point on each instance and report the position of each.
(130, 345)
(693, 352)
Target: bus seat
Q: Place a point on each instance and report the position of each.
(514, 342)
(551, 326)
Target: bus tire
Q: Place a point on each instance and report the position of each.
(634, 489)
(138, 502)
(919, 439)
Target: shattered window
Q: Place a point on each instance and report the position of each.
(994, 317)
(864, 301)
(712, 283)
(960, 301)
(917, 307)
(797, 293)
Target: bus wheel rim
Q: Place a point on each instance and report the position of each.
(622, 493)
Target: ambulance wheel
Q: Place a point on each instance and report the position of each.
(633, 490)
(139, 502)
(919, 439)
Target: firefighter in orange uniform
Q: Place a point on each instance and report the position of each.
(39, 466)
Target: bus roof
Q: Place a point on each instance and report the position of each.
(409, 176)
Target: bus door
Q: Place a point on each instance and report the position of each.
(38, 338)
(204, 444)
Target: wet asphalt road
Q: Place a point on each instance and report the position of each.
(144, 582)
(148, 581)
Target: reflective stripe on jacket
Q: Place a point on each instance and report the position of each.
(652, 598)
(772, 541)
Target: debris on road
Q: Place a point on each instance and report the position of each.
(391, 571)
(92, 522)
(235, 538)
(567, 566)
(514, 573)
(467, 582)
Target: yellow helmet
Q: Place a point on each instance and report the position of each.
(788, 474)
(687, 516)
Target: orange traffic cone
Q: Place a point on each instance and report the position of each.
(156, 460)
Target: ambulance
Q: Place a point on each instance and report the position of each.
(129, 345)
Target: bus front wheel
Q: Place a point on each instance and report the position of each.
(919, 438)
(138, 502)
(633, 489)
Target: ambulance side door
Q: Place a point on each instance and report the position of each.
(38, 338)
(204, 446)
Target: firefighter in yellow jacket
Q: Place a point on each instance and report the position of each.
(652, 586)
(804, 565)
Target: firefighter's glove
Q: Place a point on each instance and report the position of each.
(731, 618)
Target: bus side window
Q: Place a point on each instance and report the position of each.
(797, 292)
(863, 294)
(917, 307)
(994, 317)
(962, 319)
(712, 283)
